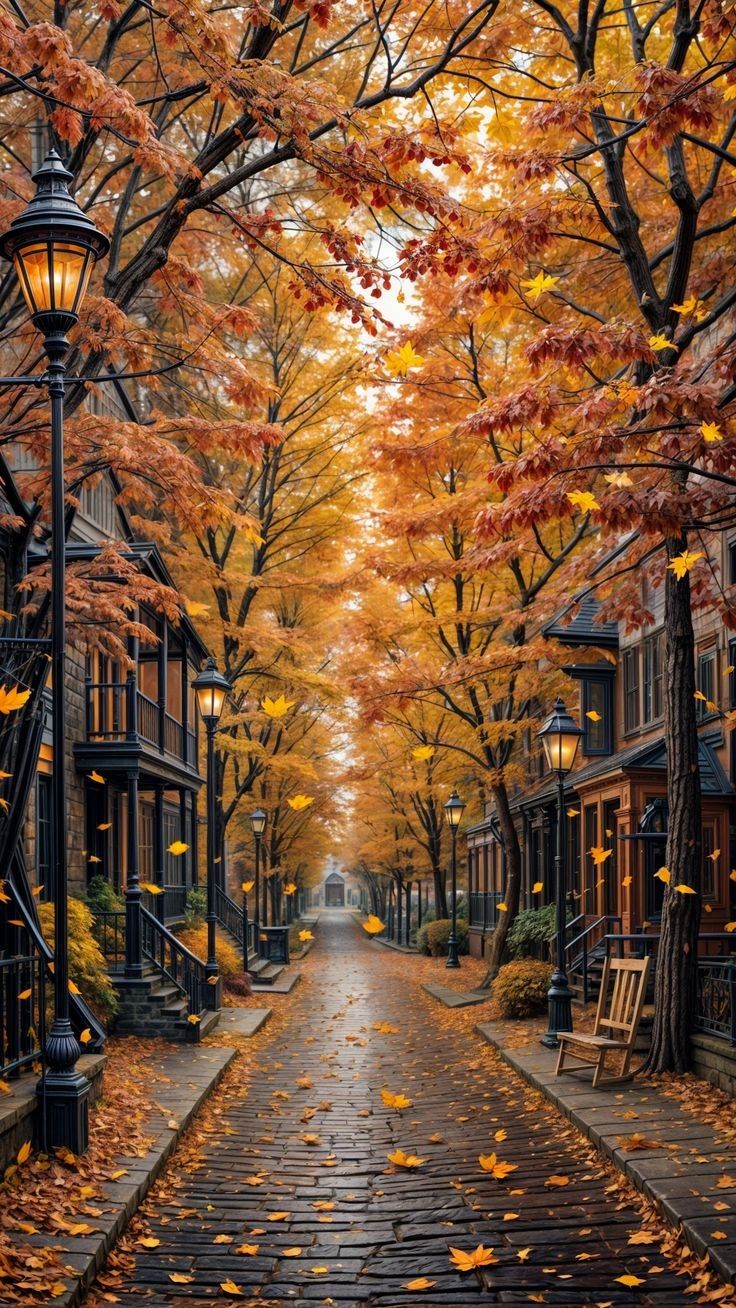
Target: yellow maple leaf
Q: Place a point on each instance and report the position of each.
(12, 699)
(627, 880)
(400, 1159)
(177, 847)
(498, 1170)
(290, 888)
(682, 889)
(618, 479)
(466, 1260)
(710, 431)
(398, 362)
(502, 908)
(195, 609)
(687, 307)
(95, 776)
(573, 812)
(583, 500)
(298, 802)
(277, 708)
(536, 286)
(594, 716)
(537, 887)
(247, 886)
(149, 1242)
(660, 342)
(663, 875)
(419, 1283)
(683, 563)
(305, 935)
(180, 1278)
(599, 855)
(229, 1287)
(373, 925)
(729, 93)
(396, 1101)
(423, 752)
(24, 1153)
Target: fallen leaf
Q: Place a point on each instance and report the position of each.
(419, 1283)
(468, 1260)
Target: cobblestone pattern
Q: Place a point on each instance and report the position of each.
(299, 1174)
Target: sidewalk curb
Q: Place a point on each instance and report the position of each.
(200, 1074)
(684, 1200)
(450, 998)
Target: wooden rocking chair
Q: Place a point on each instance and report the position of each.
(618, 1018)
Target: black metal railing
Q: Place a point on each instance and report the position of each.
(22, 1012)
(110, 716)
(149, 719)
(715, 1009)
(583, 948)
(482, 908)
(230, 915)
(175, 902)
(109, 931)
(172, 958)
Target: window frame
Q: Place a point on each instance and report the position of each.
(652, 678)
(632, 689)
(707, 657)
(605, 727)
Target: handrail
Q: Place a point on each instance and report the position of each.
(573, 920)
(585, 942)
(228, 913)
(175, 961)
(605, 917)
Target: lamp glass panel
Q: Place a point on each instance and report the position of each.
(560, 748)
(53, 275)
(211, 700)
(454, 814)
(258, 823)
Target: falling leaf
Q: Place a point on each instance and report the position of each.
(663, 875)
(536, 286)
(468, 1260)
(599, 855)
(85, 1036)
(583, 500)
(715, 855)
(290, 888)
(305, 935)
(573, 812)
(419, 1283)
(710, 431)
(177, 847)
(537, 887)
(24, 1153)
(373, 925)
(398, 362)
(502, 908)
(12, 699)
(423, 752)
(627, 880)
(594, 717)
(298, 802)
(395, 1101)
(660, 342)
(682, 889)
(683, 563)
(151, 888)
(25, 994)
(400, 1159)
(247, 886)
(95, 776)
(499, 1170)
(277, 708)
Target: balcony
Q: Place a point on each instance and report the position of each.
(117, 712)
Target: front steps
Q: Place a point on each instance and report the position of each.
(153, 1006)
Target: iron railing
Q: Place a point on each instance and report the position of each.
(715, 1010)
(482, 908)
(230, 915)
(109, 931)
(586, 945)
(175, 902)
(109, 716)
(22, 1012)
(175, 961)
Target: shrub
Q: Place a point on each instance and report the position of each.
(463, 907)
(196, 907)
(87, 967)
(529, 936)
(521, 988)
(102, 897)
(229, 958)
(438, 934)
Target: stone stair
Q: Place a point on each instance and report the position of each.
(153, 1006)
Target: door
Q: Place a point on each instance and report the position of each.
(610, 841)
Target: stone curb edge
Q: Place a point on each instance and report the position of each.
(722, 1260)
(91, 1260)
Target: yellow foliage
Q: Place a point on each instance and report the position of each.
(86, 962)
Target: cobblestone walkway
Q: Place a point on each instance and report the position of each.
(295, 1199)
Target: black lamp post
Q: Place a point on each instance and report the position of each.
(454, 809)
(54, 246)
(211, 689)
(560, 737)
(247, 886)
(258, 826)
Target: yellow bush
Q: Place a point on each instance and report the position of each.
(521, 987)
(87, 968)
(229, 959)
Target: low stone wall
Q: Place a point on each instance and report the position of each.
(18, 1117)
(715, 1061)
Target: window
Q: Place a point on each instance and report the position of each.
(706, 684)
(44, 868)
(597, 698)
(631, 689)
(732, 562)
(587, 900)
(708, 870)
(652, 660)
(145, 842)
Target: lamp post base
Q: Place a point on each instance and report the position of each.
(63, 1094)
(452, 954)
(559, 998)
(213, 987)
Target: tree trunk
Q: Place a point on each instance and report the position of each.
(676, 969)
(440, 898)
(512, 889)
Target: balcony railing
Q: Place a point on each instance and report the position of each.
(110, 717)
(715, 1011)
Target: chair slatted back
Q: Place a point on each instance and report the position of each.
(621, 1012)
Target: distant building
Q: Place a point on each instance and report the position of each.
(337, 889)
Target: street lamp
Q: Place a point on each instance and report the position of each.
(560, 737)
(211, 689)
(454, 809)
(258, 826)
(54, 246)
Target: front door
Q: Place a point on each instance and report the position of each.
(610, 871)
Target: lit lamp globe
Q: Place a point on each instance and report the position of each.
(258, 822)
(54, 246)
(454, 809)
(560, 737)
(211, 689)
